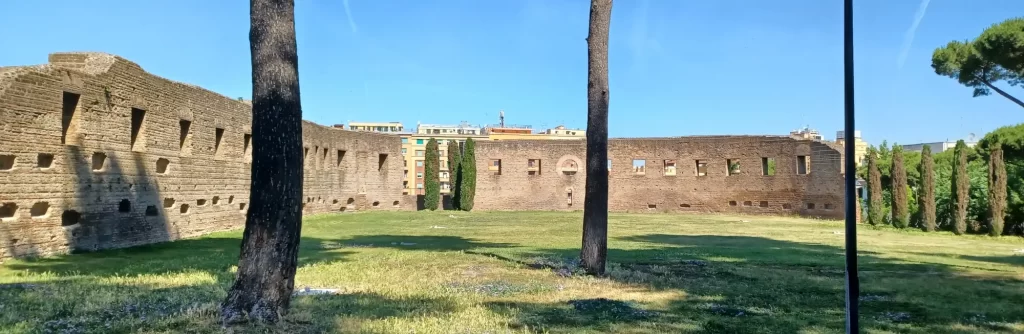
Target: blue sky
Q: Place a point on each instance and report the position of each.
(678, 67)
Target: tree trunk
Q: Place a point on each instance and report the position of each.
(266, 266)
(1004, 94)
(595, 205)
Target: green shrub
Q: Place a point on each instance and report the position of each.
(900, 211)
(926, 200)
(960, 188)
(467, 178)
(996, 191)
(876, 210)
(431, 175)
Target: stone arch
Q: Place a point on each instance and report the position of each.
(569, 164)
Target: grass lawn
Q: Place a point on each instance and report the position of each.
(511, 272)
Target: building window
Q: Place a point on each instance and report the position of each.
(419, 163)
(670, 167)
(495, 166)
(419, 141)
(702, 168)
(420, 153)
(533, 166)
(403, 151)
(802, 165)
(639, 166)
(419, 186)
(419, 175)
(734, 166)
(768, 166)
(405, 140)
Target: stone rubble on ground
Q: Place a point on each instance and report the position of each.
(307, 291)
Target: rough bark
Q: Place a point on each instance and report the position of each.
(467, 178)
(996, 191)
(454, 159)
(960, 188)
(266, 266)
(900, 209)
(876, 211)
(431, 177)
(926, 198)
(595, 205)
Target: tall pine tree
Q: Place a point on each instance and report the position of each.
(996, 190)
(900, 210)
(454, 160)
(926, 196)
(467, 187)
(876, 210)
(431, 174)
(960, 188)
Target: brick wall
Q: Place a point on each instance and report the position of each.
(555, 186)
(92, 156)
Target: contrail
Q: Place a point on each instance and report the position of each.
(348, 14)
(908, 38)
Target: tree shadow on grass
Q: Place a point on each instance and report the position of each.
(213, 254)
(437, 243)
(751, 284)
(56, 306)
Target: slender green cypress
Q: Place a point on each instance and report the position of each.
(996, 190)
(900, 209)
(431, 174)
(467, 182)
(876, 210)
(960, 188)
(926, 199)
(454, 160)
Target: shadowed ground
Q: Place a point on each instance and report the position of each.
(443, 272)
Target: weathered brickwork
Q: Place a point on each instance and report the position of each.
(96, 153)
(553, 183)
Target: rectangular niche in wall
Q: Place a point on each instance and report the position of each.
(246, 141)
(341, 157)
(44, 160)
(382, 162)
(184, 134)
(70, 119)
(218, 136)
(138, 140)
(670, 167)
(734, 166)
(639, 166)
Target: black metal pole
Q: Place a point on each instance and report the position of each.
(852, 282)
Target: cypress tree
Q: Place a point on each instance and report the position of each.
(996, 190)
(875, 208)
(454, 160)
(467, 182)
(431, 172)
(926, 199)
(900, 210)
(960, 188)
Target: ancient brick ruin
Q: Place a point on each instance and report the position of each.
(741, 174)
(97, 153)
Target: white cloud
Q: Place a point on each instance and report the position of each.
(348, 14)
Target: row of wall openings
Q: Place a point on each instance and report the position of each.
(186, 208)
(43, 161)
(382, 158)
(763, 204)
(733, 166)
(811, 206)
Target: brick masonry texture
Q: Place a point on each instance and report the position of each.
(556, 185)
(93, 155)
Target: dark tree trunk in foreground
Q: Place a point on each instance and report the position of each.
(595, 204)
(266, 266)
(960, 188)
(926, 201)
(900, 210)
(996, 190)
